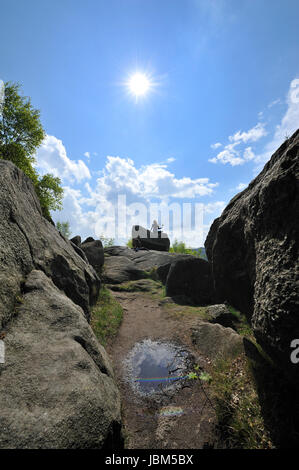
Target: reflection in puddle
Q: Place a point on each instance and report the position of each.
(153, 366)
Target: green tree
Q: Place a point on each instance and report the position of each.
(180, 247)
(21, 133)
(106, 241)
(64, 228)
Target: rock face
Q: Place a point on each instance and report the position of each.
(56, 386)
(124, 264)
(28, 241)
(94, 253)
(216, 341)
(192, 278)
(253, 250)
(221, 314)
(92, 249)
(121, 269)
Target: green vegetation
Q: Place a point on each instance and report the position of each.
(180, 247)
(106, 241)
(64, 229)
(241, 325)
(141, 285)
(239, 415)
(21, 133)
(106, 316)
(130, 243)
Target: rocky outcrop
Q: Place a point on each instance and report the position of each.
(121, 269)
(221, 314)
(76, 240)
(28, 241)
(124, 264)
(92, 249)
(56, 385)
(192, 278)
(143, 238)
(253, 251)
(94, 252)
(216, 341)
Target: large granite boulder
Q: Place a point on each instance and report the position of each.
(217, 342)
(56, 386)
(143, 238)
(28, 241)
(144, 259)
(94, 253)
(121, 269)
(192, 278)
(253, 251)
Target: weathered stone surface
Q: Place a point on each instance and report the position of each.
(120, 269)
(191, 277)
(28, 241)
(221, 314)
(88, 240)
(56, 386)
(95, 254)
(76, 240)
(145, 260)
(253, 250)
(215, 341)
(163, 269)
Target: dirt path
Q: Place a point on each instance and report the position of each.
(145, 427)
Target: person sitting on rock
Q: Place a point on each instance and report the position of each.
(155, 226)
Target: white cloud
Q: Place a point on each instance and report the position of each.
(170, 160)
(228, 155)
(87, 155)
(216, 146)
(252, 135)
(94, 212)
(52, 158)
(288, 125)
(231, 154)
(249, 154)
(154, 180)
(274, 102)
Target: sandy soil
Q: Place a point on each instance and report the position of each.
(145, 427)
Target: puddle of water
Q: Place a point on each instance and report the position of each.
(152, 367)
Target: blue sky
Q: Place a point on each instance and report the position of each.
(226, 72)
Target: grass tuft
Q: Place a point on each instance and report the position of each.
(106, 316)
(240, 421)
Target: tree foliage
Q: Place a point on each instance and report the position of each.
(21, 133)
(106, 241)
(180, 247)
(64, 228)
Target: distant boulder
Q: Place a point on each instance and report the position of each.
(253, 251)
(88, 240)
(192, 278)
(76, 240)
(120, 269)
(143, 238)
(94, 253)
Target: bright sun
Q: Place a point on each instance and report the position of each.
(139, 84)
